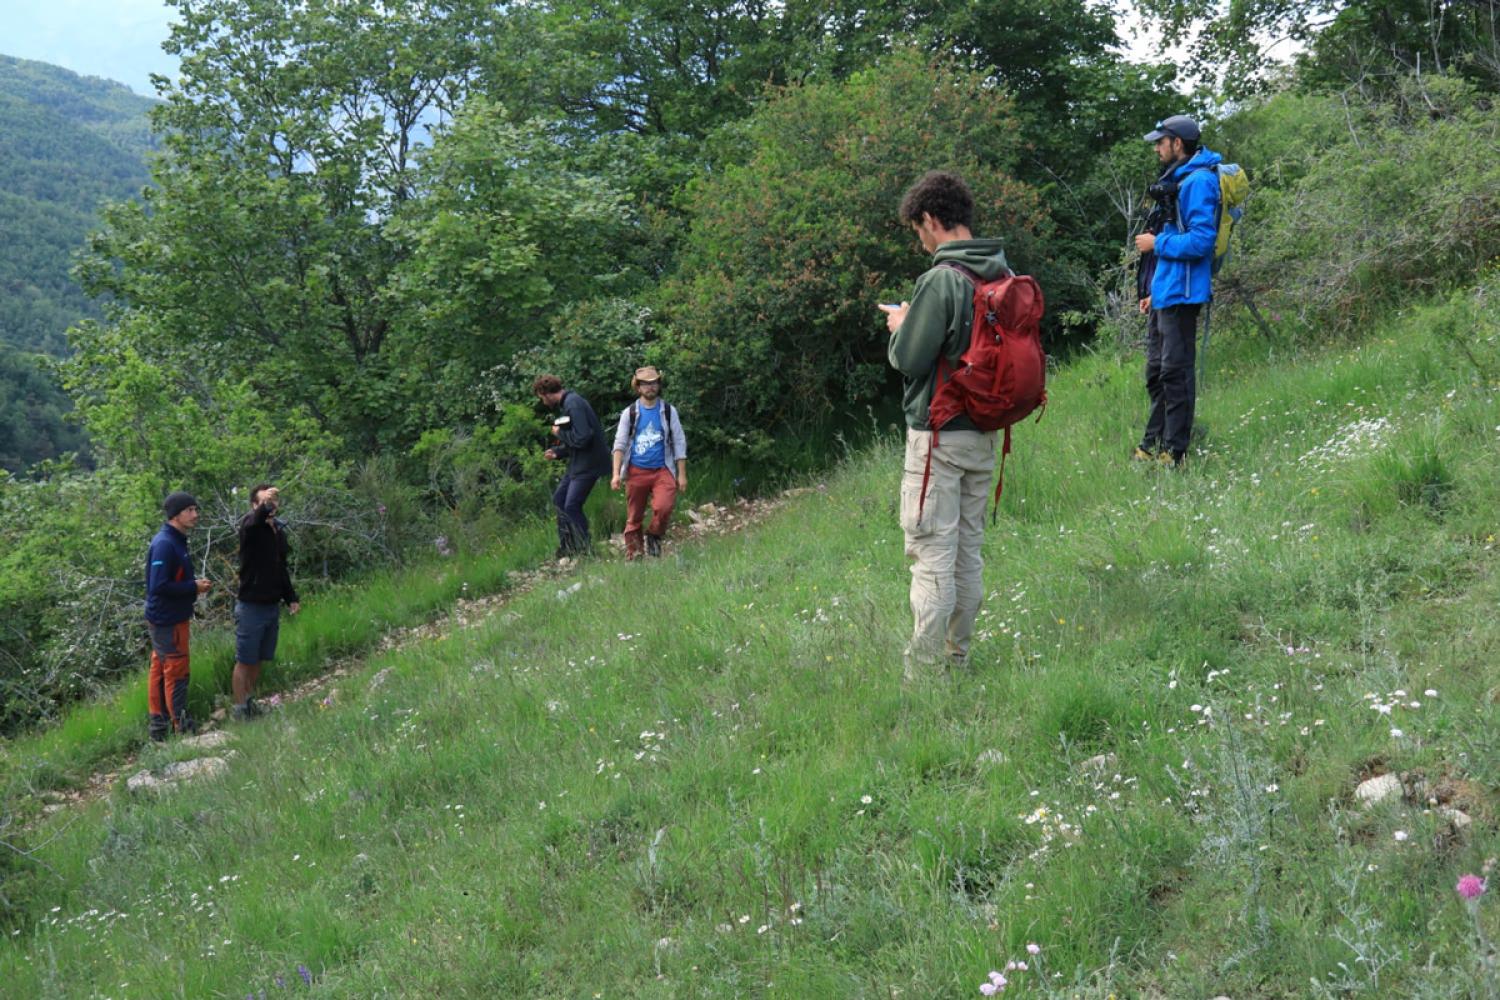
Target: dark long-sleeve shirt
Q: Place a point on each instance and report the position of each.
(171, 587)
(582, 438)
(264, 576)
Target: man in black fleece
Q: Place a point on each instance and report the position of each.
(580, 440)
(265, 583)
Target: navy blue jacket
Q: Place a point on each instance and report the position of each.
(171, 587)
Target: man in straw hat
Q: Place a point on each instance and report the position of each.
(650, 462)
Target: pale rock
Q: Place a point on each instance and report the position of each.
(175, 774)
(990, 758)
(192, 770)
(209, 741)
(1099, 763)
(1459, 819)
(1378, 789)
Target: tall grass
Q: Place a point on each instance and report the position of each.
(702, 776)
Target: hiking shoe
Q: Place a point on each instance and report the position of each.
(1170, 459)
(653, 546)
(186, 726)
(249, 710)
(1142, 455)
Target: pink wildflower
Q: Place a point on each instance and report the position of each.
(988, 989)
(1033, 949)
(1471, 887)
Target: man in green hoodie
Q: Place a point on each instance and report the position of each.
(944, 534)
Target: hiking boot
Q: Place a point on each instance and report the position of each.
(186, 726)
(157, 728)
(1171, 459)
(653, 546)
(249, 710)
(1142, 455)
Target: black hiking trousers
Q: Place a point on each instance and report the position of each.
(1171, 354)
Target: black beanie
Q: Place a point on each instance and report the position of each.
(178, 502)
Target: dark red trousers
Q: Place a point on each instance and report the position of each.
(659, 487)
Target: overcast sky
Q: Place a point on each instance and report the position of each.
(121, 39)
(116, 39)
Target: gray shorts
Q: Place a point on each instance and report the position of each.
(256, 627)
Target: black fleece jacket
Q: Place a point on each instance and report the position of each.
(581, 438)
(264, 578)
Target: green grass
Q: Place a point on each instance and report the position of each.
(702, 777)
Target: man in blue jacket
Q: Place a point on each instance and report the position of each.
(1180, 284)
(580, 441)
(171, 589)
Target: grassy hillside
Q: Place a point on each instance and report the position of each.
(702, 777)
(67, 143)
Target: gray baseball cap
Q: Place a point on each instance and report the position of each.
(1181, 126)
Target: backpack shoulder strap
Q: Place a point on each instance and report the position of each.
(969, 273)
(635, 410)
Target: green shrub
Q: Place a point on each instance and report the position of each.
(1380, 200)
(772, 319)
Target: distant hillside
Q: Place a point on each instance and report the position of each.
(67, 143)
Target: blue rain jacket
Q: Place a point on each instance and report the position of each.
(1185, 248)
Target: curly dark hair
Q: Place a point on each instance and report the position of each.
(942, 195)
(546, 384)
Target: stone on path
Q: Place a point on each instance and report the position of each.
(211, 740)
(178, 773)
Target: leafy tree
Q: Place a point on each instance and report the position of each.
(772, 318)
(1345, 42)
(294, 242)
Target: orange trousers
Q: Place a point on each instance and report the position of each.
(167, 691)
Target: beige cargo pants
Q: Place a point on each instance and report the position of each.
(947, 567)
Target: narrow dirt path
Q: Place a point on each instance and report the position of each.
(690, 524)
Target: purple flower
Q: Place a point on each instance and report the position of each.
(1471, 887)
(306, 976)
(280, 982)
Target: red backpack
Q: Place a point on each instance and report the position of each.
(1002, 376)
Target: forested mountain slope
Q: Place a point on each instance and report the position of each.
(67, 143)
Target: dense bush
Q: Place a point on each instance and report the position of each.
(1369, 202)
(772, 313)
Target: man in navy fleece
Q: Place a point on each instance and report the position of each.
(171, 589)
